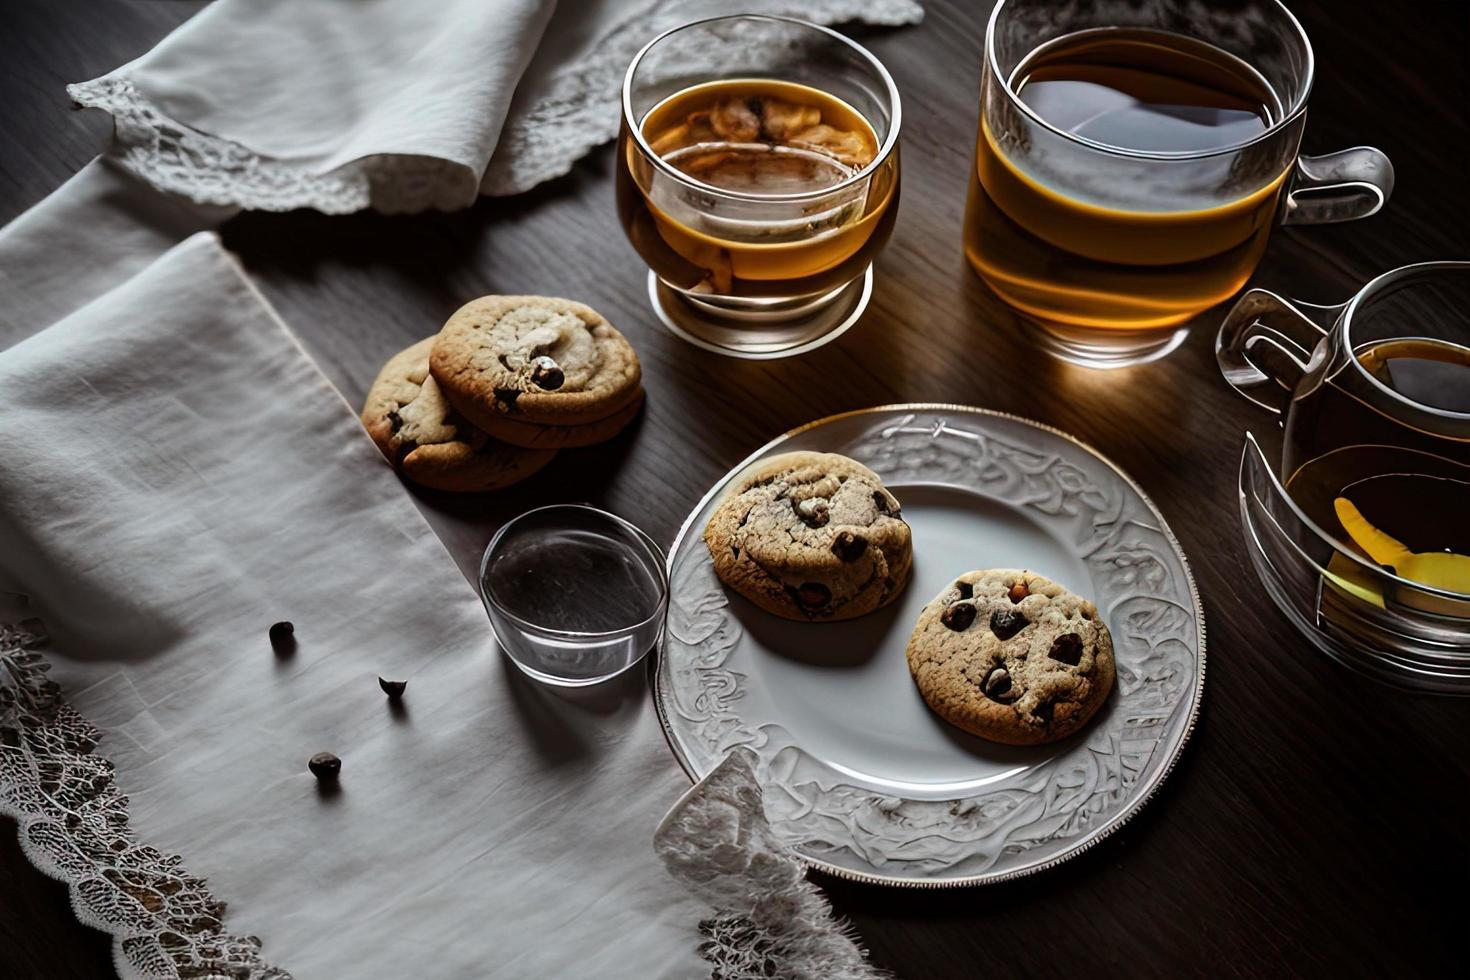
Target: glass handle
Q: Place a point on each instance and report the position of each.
(1261, 322)
(1341, 186)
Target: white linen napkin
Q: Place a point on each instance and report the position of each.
(769, 921)
(92, 234)
(339, 105)
(178, 475)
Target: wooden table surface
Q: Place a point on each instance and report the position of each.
(1316, 823)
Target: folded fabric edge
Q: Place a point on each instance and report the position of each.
(208, 169)
(72, 823)
(767, 920)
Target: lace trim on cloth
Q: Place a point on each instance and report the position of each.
(164, 922)
(579, 111)
(769, 921)
(212, 170)
(583, 105)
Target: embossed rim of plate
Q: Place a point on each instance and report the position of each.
(1141, 795)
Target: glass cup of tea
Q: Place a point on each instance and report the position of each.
(1132, 159)
(1375, 395)
(757, 175)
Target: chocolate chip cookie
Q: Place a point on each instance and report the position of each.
(811, 536)
(428, 442)
(1012, 657)
(537, 361)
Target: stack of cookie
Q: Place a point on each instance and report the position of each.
(506, 383)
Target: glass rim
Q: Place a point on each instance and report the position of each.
(656, 554)
(1365, 295)
(1288, 115)
(885, 149)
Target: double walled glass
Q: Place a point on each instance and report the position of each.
(1364, 538)
(759, 240)
(1110, 250)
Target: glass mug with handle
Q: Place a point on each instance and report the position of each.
(757, 176)
(1375, 395)
(1132, 159)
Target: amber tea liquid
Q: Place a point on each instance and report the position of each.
(1071, 262)
(764, 137)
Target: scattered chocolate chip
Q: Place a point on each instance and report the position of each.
(507, 397)
(813, 511)
(813, 595)
(881, 500)
(395, 421)
(1044, 712)
(997, 685)
(546, 373)
(394, 689)
(1018, 592)
(1006, 623)
(283, 637)
(849, 547)
(958, 616)
(1067, 648)
(967, 591)
(325, 766)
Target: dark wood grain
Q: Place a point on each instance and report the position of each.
(1316, 823)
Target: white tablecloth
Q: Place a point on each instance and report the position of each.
(178, 475)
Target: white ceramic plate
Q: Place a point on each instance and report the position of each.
(859, 777)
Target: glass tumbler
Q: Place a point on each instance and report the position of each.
(576, 595)
(757, 176)
(1109, 249)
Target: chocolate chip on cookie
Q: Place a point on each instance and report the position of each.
(1005, 623)
(849, 547)
(803, 535)
(997, 685)
(430, 443)
(1066, 648)
(958, 616)
(1041, 670)
(813, 595)
(547, 374)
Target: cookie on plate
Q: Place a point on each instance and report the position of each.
(811, 536)
(536, 361)
(428, 442)
(1012, 657)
